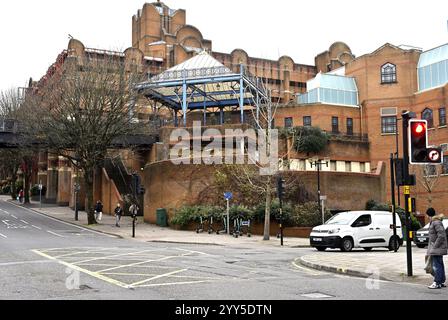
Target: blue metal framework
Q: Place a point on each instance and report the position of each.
(215, 87)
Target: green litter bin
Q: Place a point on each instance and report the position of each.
(162, 218)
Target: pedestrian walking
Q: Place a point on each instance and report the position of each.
(98, 211)
(21, 195)
(118, 214)
(437, 248)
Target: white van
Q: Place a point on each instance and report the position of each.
(357, 229)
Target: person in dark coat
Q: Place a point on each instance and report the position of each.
(437, 248)
(118, 214)
(98, 211)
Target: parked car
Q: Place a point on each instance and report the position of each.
(358, 229)
(422, 237)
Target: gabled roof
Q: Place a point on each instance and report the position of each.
(200, 65)
(433, 56)
(200, 61)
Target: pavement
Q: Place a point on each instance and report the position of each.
(378, 264)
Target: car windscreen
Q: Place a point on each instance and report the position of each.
(343, 218)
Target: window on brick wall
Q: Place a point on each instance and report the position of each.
(333, 166)
(428, 115)
(389, 124)
(362, 167)
(388, 120)
(348, 166)
(445, 165)
(349, 126)
(388, 73)
(307, 121)
(442, 117)
(335, 125)
(289, 122)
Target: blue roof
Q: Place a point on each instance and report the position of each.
(433, 56)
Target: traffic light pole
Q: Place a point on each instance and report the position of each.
(407, 193)
(281, 219)
(392, 190)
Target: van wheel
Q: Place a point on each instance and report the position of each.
(368, 249)
(321, 248)
(347, 245)
(394, 243)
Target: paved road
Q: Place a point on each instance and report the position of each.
(42, 258)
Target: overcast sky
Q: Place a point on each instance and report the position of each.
(34, 32)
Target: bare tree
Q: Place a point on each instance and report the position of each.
(428, 176)
(23, 156)
(247, 177)
(81, 111)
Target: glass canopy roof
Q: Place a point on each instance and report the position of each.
(200, 83)
(433, 68)
(331, 89)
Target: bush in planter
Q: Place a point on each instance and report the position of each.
(308, 215)
(189, 214)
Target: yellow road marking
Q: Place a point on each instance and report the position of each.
(106, 257)
(91, 273)
(143, 262)
(172, 284)
(314, 273)
(158, 277)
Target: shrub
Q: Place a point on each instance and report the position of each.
(190, 214)
(311, 140)
(308, 215)
(36, 192)
(259, 213)
(6, 189)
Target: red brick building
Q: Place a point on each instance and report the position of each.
(357, 100)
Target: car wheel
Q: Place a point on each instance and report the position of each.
(321, 249)
(394, 243)
(347, 245)
(421, 246)
(368, 249)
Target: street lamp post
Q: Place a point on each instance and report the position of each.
(77, 188)
(315, 162)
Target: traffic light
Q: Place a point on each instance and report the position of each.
(418, 141)
(137, 188)
(419, 152)
(281, 187)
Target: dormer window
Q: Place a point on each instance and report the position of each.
(388, 73)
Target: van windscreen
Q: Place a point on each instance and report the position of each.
(341, 219)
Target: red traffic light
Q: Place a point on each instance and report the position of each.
(418, 127)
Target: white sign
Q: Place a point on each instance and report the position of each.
(434, 155)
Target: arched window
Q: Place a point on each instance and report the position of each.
(388, 73)
(427, 115)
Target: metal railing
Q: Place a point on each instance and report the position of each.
(349, 136)
(192, 73)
